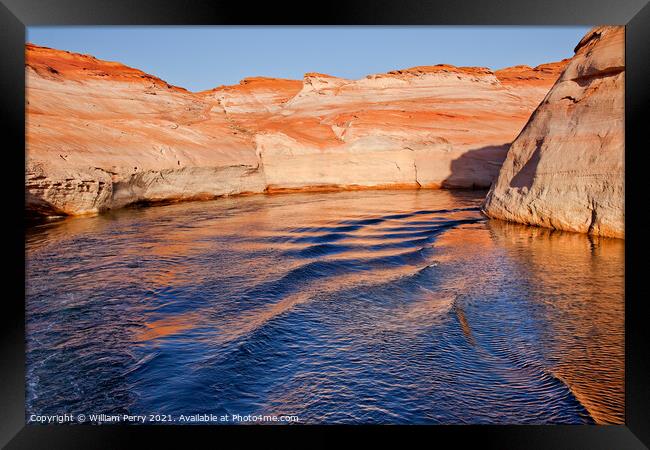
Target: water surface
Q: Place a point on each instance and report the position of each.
(350, 307)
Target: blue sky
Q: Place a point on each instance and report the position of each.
(199, 58)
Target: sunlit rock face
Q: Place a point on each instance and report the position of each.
(566, 168)
(434, 126)
(101, 135)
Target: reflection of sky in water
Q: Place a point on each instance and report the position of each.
(386, 307)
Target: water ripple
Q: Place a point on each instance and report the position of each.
(351, 307)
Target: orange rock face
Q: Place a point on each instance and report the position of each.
(101, 135)
(103, 141)
(566, 168)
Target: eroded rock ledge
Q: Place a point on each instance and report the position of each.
(566, 168)
(101, 135)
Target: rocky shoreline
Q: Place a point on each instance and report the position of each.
(566, 170)
(102, 135)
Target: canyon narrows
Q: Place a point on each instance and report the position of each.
(101, 135)
(400, 281)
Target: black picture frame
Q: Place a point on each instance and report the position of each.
(16, 15)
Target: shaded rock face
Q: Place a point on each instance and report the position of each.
(101, 135)
(566, 168)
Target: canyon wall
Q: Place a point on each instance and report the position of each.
(566, 168)
(432, 127)
(101, 135)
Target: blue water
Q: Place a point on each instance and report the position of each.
(350, 307)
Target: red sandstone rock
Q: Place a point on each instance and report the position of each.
(101, 135)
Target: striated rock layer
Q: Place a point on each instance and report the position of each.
(101, 135)
(566, 168)
(438, 126)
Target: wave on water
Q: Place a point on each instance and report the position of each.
(357, 307)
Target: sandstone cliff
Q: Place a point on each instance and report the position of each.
(566, 168)
(437, 126)
(102, 135)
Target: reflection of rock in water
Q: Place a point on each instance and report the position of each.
(349, 307)
(579, 281)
